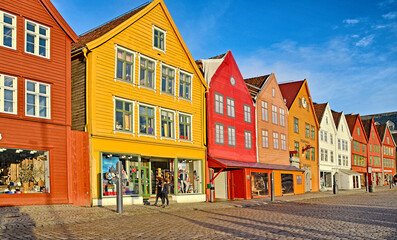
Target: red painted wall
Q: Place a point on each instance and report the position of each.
(392, 157)
(374, 139)
(362, 140)
(220, 83)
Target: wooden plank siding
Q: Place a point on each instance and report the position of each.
(79, 93)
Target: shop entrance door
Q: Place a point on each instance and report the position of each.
(145, 180)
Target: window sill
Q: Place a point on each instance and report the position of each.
(121, 131)
(37, 55)
(182, 140)
(186, 99)
(125, 81)
(148, 88)
(45, 118)
(146, 135)
(167, 94)
(166, 138)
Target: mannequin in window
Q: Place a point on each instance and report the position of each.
(185, 181)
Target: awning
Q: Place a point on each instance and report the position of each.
(349, 172)
(225, 163)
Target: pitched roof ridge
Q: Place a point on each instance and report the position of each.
(290, 81)
(115, 18)
(266, 75)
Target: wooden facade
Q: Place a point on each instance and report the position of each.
(374, 156)
(388, 152)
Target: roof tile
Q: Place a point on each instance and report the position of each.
(290, 90)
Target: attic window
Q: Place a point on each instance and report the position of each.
(159, 36)
(273, 92)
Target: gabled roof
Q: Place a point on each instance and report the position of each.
(220, 56)
(59, 19)
(319, 108)
(255, 84)
(208, 67)
(105, 28)
(336, 116)
(381, 130)
(351, 120)
(290, 90)
(367, 127)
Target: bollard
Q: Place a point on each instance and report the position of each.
(335, 186)
(272, 186)
(366, 182)
(212, 191)
(119, 187)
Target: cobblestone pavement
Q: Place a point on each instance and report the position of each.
(349, 215)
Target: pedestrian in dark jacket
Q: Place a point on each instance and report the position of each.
(166, 186)
(159, 186)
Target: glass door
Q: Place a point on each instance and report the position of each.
(145, 179)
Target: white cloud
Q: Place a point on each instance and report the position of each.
(355, 36)
(380, 26)
(365, 41)
(385, 3)
(351, 21)
(390, 15)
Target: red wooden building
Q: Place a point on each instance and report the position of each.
(388, 153)
(359, 147)
(36, 162)
(230, 128)
(374, 152)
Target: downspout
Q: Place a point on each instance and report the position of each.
(85, 51)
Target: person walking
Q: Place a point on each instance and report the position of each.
(159, 186)
(165, 188)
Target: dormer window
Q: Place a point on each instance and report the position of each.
(159, 38)
(8, 25)
(37, 39)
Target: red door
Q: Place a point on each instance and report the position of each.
(237, 186)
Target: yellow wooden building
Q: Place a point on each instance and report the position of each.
(138, 92)
(303, 128)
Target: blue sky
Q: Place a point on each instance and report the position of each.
(347, 50)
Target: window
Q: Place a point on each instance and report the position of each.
(363, 148)
(275, 140)
(146, 120)
(27, 170)
(326, 120)
(185, 127)
(296, 149)
(159, 38)
(287, 183)
(313, 133)
(358, 131)
(248, 140)
(264, 111)
(274, 114)
(325, 136)
(124, 64)
(331, 154)
(8, 94)
(373, 136)
(388, 140)
(300, 102)
(307, 130)
(322, 155)
(167, 123)
(147, 69)
(321, 135)
(219, 134)
(231, 136)
(283, 142)
(37, 99)
(185, 85)
(370, 147)
(273, 92)
(247, 113)
(313, 154)
(296, 125)
(37, 39)
(8, 25)
(339, 160)
(190, 176)
(259, 184)
(123, 115)
(230, 107)
(282, 117)
(167, 79)
(307, 153)
(265, 138)
(339, 144)
(331, 138)
(218, 103)
(326, 155)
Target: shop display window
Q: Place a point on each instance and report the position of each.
(259, 184)
(190, 176)
(130, 174)
(287, 183)
(24, 171)
(162, 169)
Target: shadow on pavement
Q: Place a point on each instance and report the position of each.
(15, 224)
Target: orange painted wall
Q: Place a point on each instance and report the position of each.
(304, 116)
(359, 137)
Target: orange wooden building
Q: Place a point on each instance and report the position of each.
(303, 128)
(36, 162)
(374, 152)
(388, 153)
(272, 134)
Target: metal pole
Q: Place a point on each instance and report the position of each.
(272, 186)
(366, 182)
(335, 187)
(119, 186)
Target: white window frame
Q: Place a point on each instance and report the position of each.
(132, 117)
(219, 133)
(331, 154)
(275, 141)
(283, 142)
(231, 136)
(282, 117)
(37, 36)
(191, 84)
(161, 78)
(13, 27)
(134, 54)
(37, 99)
(191, 127)
(248, 139)
(139, 118)
(265, 138)
(247, 113)
(139, 73)
(175, 114)
(274, 115)
(265, 116)
(219, 105)
(165, 38)
(14, 95)
(232, 112)
(331, 138)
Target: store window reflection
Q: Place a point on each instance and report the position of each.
(130, 174)
(24, 171)
(259, 184)
(287, 183)
(189, 176)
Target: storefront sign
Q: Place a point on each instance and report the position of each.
(376, 170)
(388, 170)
